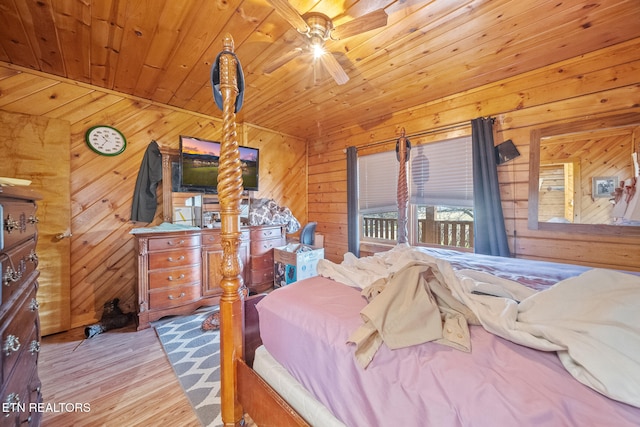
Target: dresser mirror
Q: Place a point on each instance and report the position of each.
(575, 170)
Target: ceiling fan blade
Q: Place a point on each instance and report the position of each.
(289, 13)
(279, 62)
(334, 68)
(364, 23)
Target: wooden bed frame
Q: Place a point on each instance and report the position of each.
(242, 390)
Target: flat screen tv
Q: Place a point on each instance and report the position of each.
(199, 160)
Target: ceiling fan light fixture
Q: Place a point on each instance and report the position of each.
(317, 47)
(318, 28)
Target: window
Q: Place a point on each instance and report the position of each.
(440, 182)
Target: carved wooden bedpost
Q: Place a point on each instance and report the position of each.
(230, 194)
(403, 190)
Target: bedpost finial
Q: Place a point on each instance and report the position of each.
(227, 42)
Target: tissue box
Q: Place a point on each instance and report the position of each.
(291, 264)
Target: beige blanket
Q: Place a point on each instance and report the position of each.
(592, 321)
(410, 307)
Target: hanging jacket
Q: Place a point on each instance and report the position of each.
(144, 205)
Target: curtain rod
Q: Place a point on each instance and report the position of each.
(427, 132)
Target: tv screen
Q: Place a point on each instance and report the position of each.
(199, 161)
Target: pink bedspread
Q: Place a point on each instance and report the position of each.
(305, 326)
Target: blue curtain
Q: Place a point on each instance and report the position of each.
(489, 233)
(353, 236)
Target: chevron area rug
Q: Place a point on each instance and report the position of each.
(195, 356)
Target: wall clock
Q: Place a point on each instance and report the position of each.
(106, 140)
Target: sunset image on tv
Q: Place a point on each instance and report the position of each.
(200, 160)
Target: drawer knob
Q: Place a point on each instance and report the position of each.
(13, 401)
(171, 243)
(180, 258)
(11, 224)
(179, 277)
(11, 276)
(34, 305)
(182, 294)
(34, 347)
(33, 257)
(11, 344)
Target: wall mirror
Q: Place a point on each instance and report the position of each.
(574, 170)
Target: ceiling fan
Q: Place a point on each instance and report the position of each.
(318, 28)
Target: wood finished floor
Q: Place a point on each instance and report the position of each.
(124, 375)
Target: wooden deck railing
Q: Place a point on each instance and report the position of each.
(447, 233)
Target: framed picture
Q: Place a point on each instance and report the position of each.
(604, 186)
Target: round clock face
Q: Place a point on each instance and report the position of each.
(106, 140)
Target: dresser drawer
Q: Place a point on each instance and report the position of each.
(174, 277)
(176, 258)
(19, 222)
(214, 237)
(173, 297)
(19, 335)
(262, 275)
(18, 389)
(18, 267)
(29, 349)
(266, 233)
(259, 248)
(174, 242)
(262, 262)
(211, 238)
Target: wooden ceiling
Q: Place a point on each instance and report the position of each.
(162, 50)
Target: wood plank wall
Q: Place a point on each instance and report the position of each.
(102, 249)
(602, 82)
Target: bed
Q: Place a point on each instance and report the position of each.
(306, 325)
(286, 360)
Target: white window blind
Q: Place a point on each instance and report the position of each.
(442, 173)
(378, 182)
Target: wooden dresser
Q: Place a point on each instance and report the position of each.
(179, 271)
(19, 319)
(263, 239)
(169, 274)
